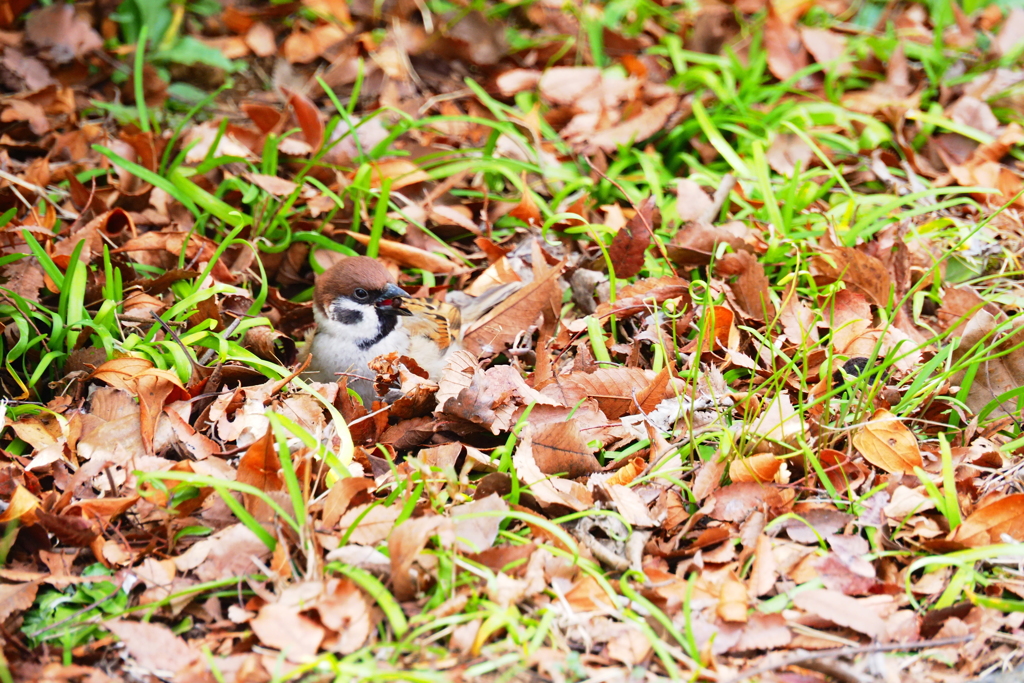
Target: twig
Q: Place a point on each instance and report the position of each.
(210, 353)
(721, 194)
(126, 582)
(846, 652)
(196, 367)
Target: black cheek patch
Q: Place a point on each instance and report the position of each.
(348, 317)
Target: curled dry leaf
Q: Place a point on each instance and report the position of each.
(888, 444)
(409, 256)
(761, 467)
(1001, 521)
(627, 473)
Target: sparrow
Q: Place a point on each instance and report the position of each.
(361, 313)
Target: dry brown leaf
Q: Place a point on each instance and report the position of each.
(786, 53)
(546, 489)
(1001, 373)
(311, 123)
(59, 28)
(341, 496)
(696, 243)
(409, 256)
(153, 646)
(887, 443)
(260, 39)
(732, 602)
(842, 610)
(560, 449)
(273, 184)
(261, 468)
(344, 609)
(282, 627)
(761, 467)
(406, 542)
(1001, 521)
(516, 314)
(827, 48)
(645, 294)
(627, 249)
(16, 597)
(401, 172)
(371, 528)
(749, 293)
(862, 273)
(616, 390)
(637, 129)
(227, 553)
(476, 532)
(21, 507)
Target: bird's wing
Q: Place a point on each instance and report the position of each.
(433, 319)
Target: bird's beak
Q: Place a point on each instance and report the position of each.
(391, 298)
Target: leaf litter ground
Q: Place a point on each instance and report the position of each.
(748, 406)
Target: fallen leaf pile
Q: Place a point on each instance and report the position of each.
(709, 411)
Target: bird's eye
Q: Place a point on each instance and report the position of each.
(361, 294)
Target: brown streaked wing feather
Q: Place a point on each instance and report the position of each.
(437, 320)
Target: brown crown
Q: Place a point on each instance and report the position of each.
(347, 275)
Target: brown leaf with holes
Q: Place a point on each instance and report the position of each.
(888, 444)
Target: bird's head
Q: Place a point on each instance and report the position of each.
(359, 294)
